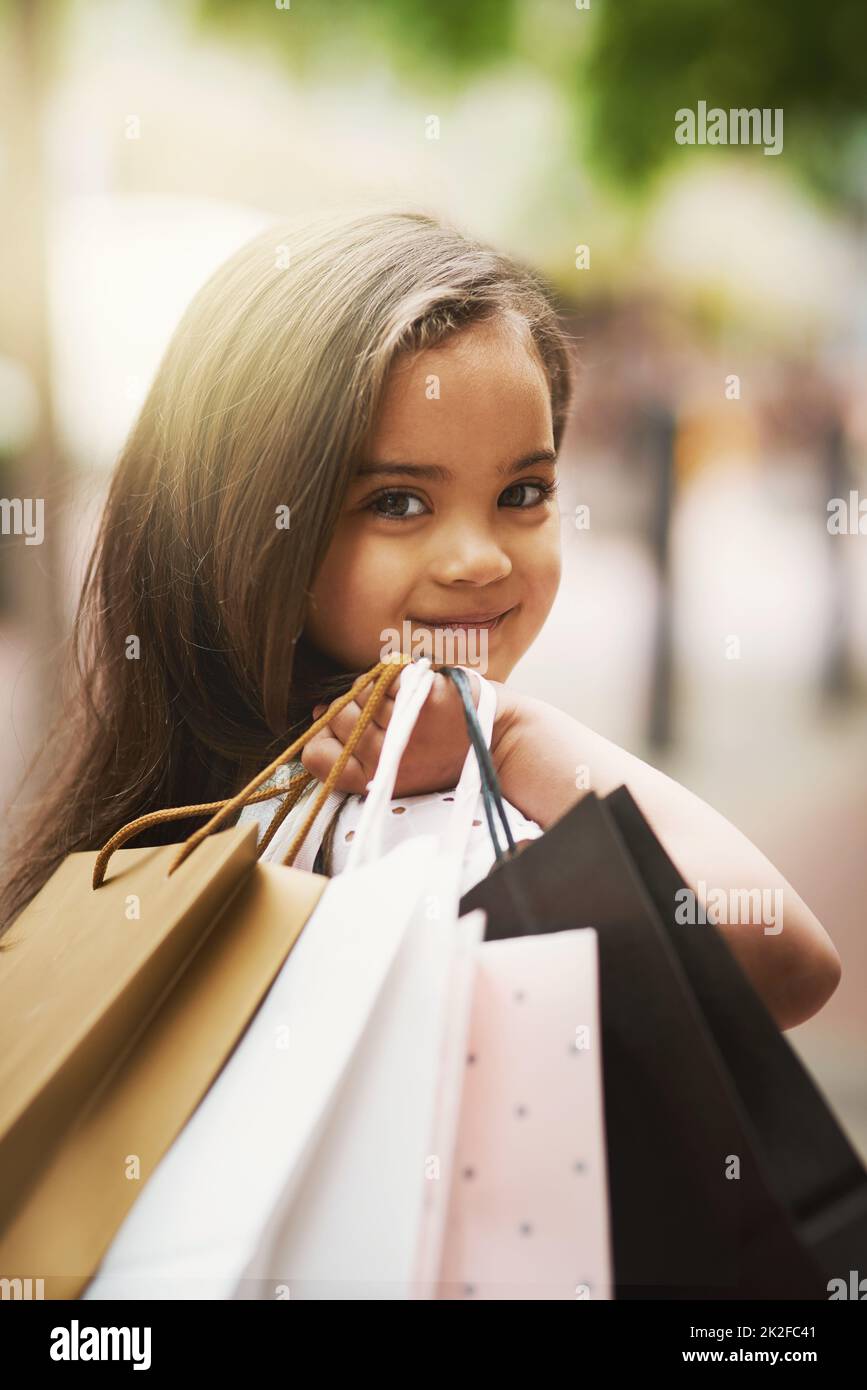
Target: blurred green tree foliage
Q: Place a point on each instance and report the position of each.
(651, 57)
(624, 68)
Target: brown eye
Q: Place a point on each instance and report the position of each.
(397, 506)
(516, 495)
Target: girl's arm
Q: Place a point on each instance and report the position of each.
(537, 750)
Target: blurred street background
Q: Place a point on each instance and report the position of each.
(716, 296)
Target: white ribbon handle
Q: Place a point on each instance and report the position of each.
(415, 684)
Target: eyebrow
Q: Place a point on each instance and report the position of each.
(434, 472)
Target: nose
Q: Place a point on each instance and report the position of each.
(470, 555)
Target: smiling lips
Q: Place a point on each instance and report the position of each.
(473, 620)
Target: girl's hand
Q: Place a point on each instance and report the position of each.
(436, 752)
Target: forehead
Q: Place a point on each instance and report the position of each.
(487, 380)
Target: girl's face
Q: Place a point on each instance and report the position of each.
(452, 521)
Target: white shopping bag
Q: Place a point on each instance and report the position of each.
(303, 1170)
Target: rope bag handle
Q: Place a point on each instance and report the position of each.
(383, 675)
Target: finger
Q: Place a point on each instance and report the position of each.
(385, 708)
(386, 702)
(319, 757)
(383, 712)
(446, 696)
(369, 746)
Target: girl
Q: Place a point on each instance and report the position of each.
(356, 424)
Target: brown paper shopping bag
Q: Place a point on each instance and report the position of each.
(121, 998)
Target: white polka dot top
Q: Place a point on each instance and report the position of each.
(410, 815)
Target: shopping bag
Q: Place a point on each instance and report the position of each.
(61, 1225)
(120, 999)
(528, 1201)
(534, 1222)
(812, 1168)
(82, 971)
(704, 1203)
(302, 1172)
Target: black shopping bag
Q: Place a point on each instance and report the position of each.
(699, 1082)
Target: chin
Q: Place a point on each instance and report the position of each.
(499, 667)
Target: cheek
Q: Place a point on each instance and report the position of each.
(374, 573)
(543, 568)
(556, 574)
(356, 589)
(345, 575)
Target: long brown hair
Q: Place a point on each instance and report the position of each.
(188, 669)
